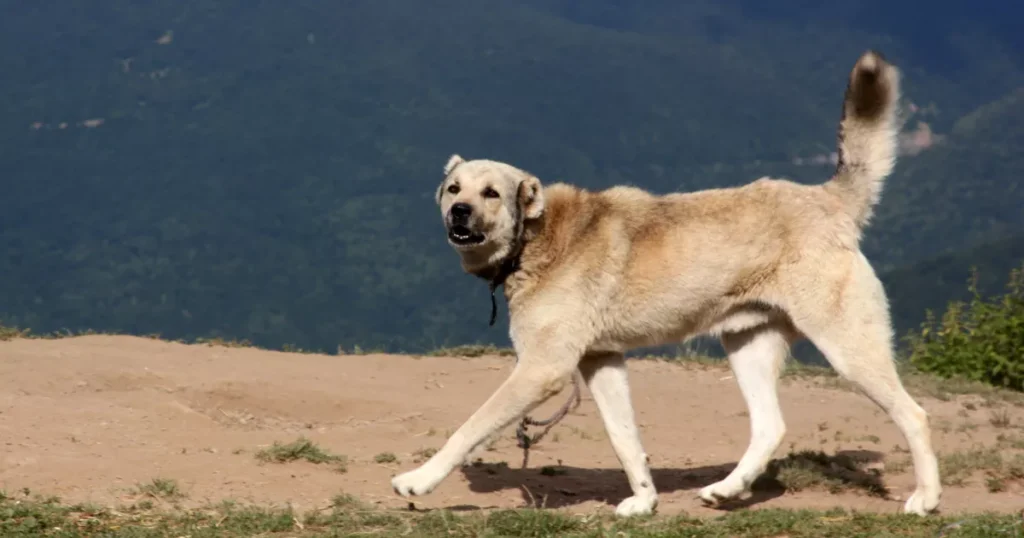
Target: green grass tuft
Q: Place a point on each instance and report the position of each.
(998, 465)
(161, 488)
(385, 457)
(300, 449)
(347, 516)
(423, 454)
(474, 350)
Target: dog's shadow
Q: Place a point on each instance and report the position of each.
(563, 486)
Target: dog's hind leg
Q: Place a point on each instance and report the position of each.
(607, 379)
(756, 356)
(535, 378)
(856, 338)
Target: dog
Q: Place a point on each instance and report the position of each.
(589, 275)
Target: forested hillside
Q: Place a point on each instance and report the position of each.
(967, 189)
(260, 171)
(931, 284)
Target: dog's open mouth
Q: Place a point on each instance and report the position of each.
(463, 236)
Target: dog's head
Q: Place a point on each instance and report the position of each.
(484, 205)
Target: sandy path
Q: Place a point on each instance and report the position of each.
(87, 418)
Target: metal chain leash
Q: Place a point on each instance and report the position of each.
(524, 441)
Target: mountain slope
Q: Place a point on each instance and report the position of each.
(965, 190)
(239, 169)
(931, 284)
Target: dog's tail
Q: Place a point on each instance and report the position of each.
(867, 135)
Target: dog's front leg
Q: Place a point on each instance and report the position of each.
(530, 384)
(607, 379)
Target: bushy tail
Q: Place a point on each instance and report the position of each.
(867, 135)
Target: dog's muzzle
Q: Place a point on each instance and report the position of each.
(460, 231)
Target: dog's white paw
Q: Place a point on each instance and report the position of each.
(638, 505)
(722, 491)
(923, 501)
(418, 482)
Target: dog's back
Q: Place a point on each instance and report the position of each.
(657, 269)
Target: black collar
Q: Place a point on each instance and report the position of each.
(505, 269)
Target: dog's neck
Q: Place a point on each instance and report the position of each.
(498, 271)
(496, 274)
(534, 248)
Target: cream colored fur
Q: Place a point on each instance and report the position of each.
(760, 266)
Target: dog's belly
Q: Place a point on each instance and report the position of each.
(675, 327)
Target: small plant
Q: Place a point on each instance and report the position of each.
(966, 427)
(552, 470)
(1010, 441)
(11, 333)
(301, 449)
(346, 501)
(956, 467)
(423, 454)
(871, 439)
(897, 465)
(982, 340)
(995, 484)
(217, 341)
(161, 488)
(292, 348)
(386, 457)
(1000, 418)
(358, 350)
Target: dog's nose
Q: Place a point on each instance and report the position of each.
(461, 211)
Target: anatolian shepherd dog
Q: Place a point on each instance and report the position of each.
(590, 275)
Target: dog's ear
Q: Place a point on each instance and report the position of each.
(453, 161)
(531, 198)
(440, 191)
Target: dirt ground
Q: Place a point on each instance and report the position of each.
(88, 418)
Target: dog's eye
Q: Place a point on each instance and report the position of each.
(454, 189)
(490, 193)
